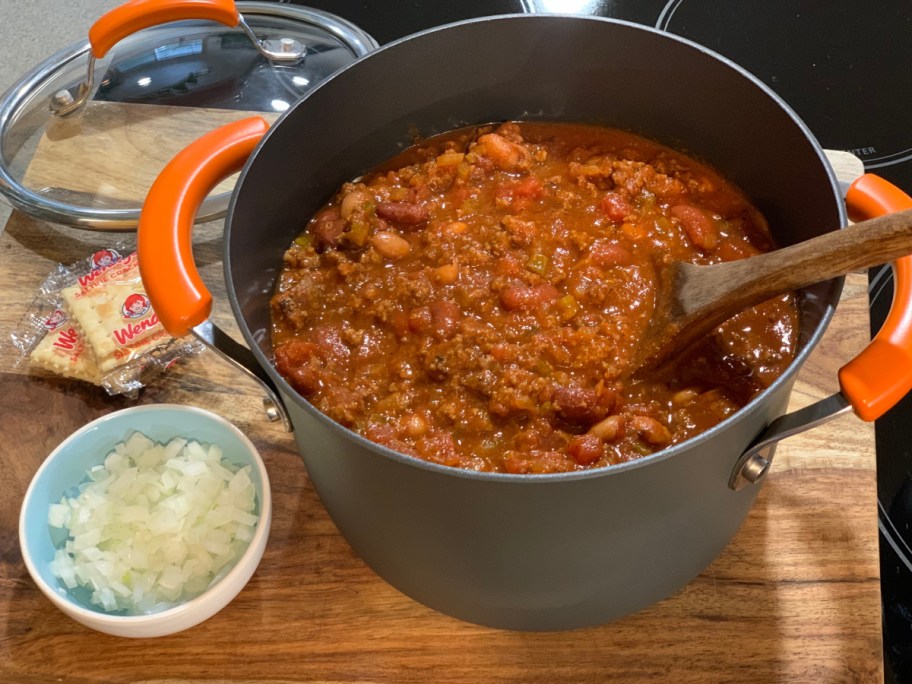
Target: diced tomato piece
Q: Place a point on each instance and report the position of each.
(399, 321)
(439, 447)
(536, 461)
(502, 353)
(327, 228)
(525, 297)
(520, 194)
(585, 449)
(298, 361)
(529, 186)
(329, 344)
(420, 319)
(615, 207)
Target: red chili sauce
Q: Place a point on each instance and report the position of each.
(478, 302)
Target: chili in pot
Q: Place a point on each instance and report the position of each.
(478, 301)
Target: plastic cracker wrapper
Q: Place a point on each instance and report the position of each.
(92, 321)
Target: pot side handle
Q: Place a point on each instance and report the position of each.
(163, 236)
(881, 375)
(165, 251)
(875, 380)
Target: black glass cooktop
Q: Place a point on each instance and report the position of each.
(844, 66)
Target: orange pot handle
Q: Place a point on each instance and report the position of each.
(135, 15)
(881, 375)
(164, 244)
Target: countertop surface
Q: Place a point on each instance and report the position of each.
(794, 597)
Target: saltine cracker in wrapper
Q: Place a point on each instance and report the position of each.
(92, 321)
(63, 350)
(111, 310)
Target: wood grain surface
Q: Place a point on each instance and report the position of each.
(108, 154)
(794, 598)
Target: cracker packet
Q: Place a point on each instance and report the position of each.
(93, 321)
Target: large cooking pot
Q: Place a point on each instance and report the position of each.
(529, 552)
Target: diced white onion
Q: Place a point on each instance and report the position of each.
(155, 525)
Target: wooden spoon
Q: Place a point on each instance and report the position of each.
(692, 300)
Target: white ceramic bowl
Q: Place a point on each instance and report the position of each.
(66, 467)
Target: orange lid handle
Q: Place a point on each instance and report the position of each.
(881, 375)
(163, 237)
(135, 15)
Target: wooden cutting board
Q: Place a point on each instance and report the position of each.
(108, 153)
(794, 598)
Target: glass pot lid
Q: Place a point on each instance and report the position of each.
(84, 135)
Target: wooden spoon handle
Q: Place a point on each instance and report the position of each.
(734, 285)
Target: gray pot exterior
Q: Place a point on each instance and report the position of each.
(534, 552)
(530, 552)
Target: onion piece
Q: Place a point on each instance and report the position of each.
(156, 525)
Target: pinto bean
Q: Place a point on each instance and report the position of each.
(414, 425)
(352, 201)
(505, 154)
(407, 213)
(609, 429)
(650, 430)
(525, 297)
(390, 245)
(446, 274)
(684, 396)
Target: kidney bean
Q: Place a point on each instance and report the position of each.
(327, 228)
(420, 320)
(407, 213)
(650, 430)
(607, 253)
(445, 318)
(697, 225)
(583, 405)
(525, 297)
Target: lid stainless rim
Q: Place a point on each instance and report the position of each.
(34, 204)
